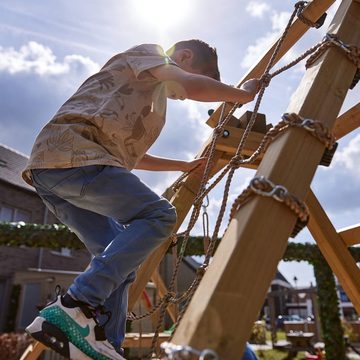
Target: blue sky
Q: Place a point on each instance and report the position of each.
(48, 48)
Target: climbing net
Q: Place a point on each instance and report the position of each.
(258, 185)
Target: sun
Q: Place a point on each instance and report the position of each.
(161, 13)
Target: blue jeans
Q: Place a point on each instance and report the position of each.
(120, 221)
(249, 354)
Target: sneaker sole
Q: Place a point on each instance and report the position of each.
(52, 337)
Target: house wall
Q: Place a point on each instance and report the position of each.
(26, 200)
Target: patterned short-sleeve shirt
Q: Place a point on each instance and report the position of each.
(112, 119)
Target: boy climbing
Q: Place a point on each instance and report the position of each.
(81, 166)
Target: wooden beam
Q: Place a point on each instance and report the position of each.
(347, 122)
(350, 235)
(33, 351)
(158, 281)
(334, 250)
(231, 293)
(230, 142)
(313, 12)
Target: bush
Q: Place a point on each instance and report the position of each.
(12, 345)
(258, 333)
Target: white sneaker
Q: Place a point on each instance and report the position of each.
(73, 332)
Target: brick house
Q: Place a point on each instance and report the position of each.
(28, 275)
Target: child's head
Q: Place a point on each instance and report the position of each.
(196, 55)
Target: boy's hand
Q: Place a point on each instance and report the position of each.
(197, 166)
(251, 86)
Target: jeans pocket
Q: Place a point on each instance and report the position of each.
(62, 182)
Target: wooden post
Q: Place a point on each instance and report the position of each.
(160, 285)
(224, 307)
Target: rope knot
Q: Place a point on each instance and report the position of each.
(201, 270)
(236, 161)
(265, 79)
(173, 238)
(218, 130)
(169, 296)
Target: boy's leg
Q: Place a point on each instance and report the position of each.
(117, 193)
(96, 231)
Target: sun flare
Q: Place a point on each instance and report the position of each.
(162, 13)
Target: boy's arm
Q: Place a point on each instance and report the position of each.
(203, 88)
(155, 163)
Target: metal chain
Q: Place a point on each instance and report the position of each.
(351, 51)
(262, 186)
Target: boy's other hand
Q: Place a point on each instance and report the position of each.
(197, 166)
(251, 86)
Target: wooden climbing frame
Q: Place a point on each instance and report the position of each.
(290, 161)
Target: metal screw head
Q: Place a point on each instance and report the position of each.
(226, 133)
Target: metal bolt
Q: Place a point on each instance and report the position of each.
(226, 133)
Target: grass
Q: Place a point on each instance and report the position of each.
(277, 355)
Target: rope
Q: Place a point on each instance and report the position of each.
(301, 17)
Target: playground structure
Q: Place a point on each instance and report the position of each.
(219, 316)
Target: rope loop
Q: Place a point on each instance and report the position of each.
(262, 186)
(351, 51)
(300, 6)
(316, 128)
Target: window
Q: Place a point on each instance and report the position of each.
(63, 252)
(8, 213)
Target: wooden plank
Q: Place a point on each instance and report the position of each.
(296, 31)
(33, 351)
(158, 281)
(144, 340)
(225, 306)
(334, 250)
(350, 235)
(347, 122)
(230, 143)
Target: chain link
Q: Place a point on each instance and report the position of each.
(264, 187)
(351, 51)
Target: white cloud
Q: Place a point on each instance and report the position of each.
(262, 44)
(38, 59)
(257, 9)
(253, 52)
(349, 157)
(279, 20)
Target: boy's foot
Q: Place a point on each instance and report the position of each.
(72, 331)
